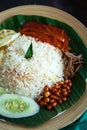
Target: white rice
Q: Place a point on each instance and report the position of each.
(29, 76)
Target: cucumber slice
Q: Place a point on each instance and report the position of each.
(15, 106)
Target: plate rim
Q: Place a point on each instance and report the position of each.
(60, 15)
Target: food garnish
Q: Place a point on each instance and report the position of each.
(15, 106)
(29, 52)
(7, 36)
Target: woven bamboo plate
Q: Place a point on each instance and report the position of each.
(76, 110)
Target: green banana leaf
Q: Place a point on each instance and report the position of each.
(78, 87)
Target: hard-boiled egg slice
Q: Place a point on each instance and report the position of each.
(7, 36)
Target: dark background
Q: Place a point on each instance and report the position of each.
(77, 8)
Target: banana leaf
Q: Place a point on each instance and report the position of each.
(78, 87)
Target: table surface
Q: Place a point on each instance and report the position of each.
(77, 8)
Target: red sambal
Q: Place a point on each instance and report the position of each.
(46, 33)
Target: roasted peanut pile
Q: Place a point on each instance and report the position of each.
(54, 95)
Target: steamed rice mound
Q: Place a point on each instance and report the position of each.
(29, 76)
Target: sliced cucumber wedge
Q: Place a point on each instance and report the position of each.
(15, 106)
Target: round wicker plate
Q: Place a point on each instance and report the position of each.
(76, 110)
